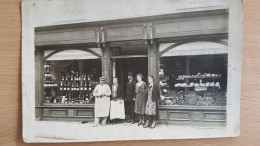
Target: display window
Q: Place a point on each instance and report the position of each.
(70, 77)
(193, 80)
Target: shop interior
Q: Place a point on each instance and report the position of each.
(70, 80)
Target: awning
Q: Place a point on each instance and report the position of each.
(196, 48)
(73, 55)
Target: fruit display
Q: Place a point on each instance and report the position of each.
(205, 101)
(172, 98)
(198, 90)
(191, 99)
(220, 99)
(198, 99)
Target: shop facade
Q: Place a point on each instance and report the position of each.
(185, 52)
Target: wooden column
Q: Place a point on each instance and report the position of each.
(39, 73)
(153, 60)
(106, 64)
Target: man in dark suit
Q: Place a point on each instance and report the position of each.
(130, 97)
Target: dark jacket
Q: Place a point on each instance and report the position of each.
(155, 93)
(130, 90)
(119, 90)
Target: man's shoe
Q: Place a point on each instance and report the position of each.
(95, 125)
(129, 121)
(83, 122)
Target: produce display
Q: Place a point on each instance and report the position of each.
(178, 98)
(172, 98)
(201, 91)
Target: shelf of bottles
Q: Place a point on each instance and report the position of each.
(70, 87)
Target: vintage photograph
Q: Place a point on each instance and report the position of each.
(139, 70)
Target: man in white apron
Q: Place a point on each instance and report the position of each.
(102, 95)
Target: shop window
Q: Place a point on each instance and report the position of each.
(70, 77)
(194, 75)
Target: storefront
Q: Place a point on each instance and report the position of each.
(193, 80)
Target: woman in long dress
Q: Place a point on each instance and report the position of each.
(141, 98)
(151, 104)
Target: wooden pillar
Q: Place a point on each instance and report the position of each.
(106, 64)
(39, 73)
(153, 60)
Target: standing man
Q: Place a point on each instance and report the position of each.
(102, 95)
(130, 96)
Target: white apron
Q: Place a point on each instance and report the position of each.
(117, 110)
(102, 100)
(102, 106)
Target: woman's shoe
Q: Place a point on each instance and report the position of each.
(153, 124)
(139, 123)
(146, 125)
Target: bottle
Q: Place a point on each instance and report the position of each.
(88, 78)
(83, 97)
(77, 86)
(72, 86)
(68, 85)
(81, 77)
(69, 97)
(62, 77)
(61, 85)
(85, 86)
(77, 76)
(86, 97)
(81, 85)
(71, 77)
(89, 87)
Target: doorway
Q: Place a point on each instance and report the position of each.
(136, 65)
(124, 65)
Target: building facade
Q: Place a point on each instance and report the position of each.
(185, 52)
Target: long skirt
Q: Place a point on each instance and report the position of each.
(150, 108)
(102, 106)
(140, 104)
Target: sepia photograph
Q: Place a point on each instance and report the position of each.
(130, 70)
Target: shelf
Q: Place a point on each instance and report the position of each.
(50, 86)
(48, 105)
(198, 86)
(191, 107)
(198, 78)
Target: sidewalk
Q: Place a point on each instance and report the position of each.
(49, 131)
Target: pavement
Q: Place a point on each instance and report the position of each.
(57, 131)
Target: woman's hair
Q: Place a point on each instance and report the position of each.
(150, 76)
(115, 78)
(141, 75)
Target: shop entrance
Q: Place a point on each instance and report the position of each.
(124, 65)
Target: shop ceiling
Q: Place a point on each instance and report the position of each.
(130, 36)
